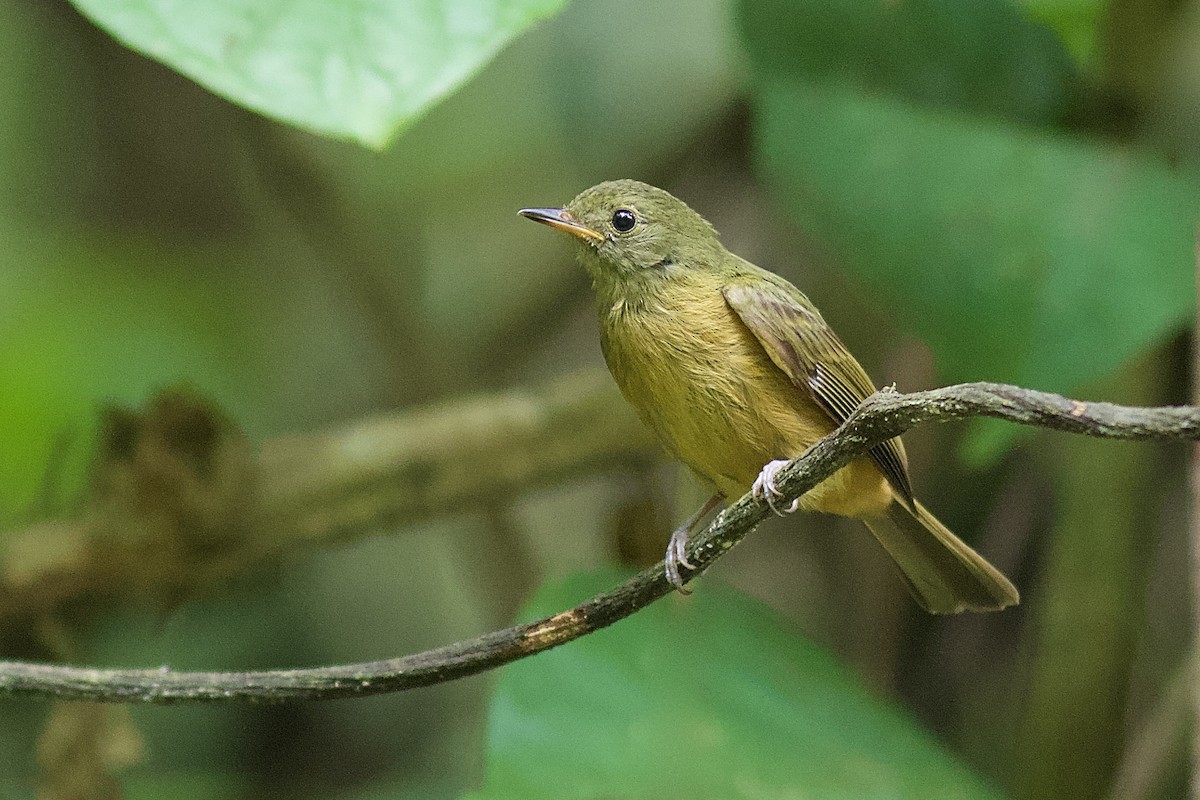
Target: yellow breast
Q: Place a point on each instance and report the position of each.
(703, 383)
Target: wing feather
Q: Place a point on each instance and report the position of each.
(806, 349)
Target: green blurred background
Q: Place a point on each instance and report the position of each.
(969, 189)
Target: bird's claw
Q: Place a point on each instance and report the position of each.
(677, 547)
(764, 487)
(677, 557)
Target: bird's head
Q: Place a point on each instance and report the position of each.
(633, 232)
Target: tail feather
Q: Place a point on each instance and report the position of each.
(944, 575)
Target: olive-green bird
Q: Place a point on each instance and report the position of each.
(733, 368)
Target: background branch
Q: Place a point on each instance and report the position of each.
(884, 415)
(182, 501)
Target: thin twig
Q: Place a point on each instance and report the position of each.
(884, 415)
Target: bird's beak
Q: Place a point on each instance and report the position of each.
(561, 218)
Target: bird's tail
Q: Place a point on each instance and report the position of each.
(943, 574)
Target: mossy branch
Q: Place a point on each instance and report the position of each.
(884, 415)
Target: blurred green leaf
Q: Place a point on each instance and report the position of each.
(1077, 22)
(87, 321)
(972, 55)
(185, 786)
(711, 696)
(1019, 257)
(358, 70)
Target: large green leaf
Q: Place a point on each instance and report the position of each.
(711, 696)
(1018, 256)
(355, 69)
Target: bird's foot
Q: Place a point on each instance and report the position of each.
(677, 557)
(677, 548)
(764, 487)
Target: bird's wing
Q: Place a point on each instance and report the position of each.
(807, 350)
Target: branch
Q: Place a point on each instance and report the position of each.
(882, 416)
(182, 501)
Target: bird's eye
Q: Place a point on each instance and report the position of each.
(623, 220)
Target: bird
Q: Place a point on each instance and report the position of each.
(736, 372)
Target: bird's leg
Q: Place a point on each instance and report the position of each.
(764, 486)
(677, 547)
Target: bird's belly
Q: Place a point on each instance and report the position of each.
(719, 404)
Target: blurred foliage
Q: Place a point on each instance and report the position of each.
(1077, 22)
(967, 55)
(363, 70)
(709, 697)
(1067, 256)
(969, 190)
(125, 337)
(1067, 259)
